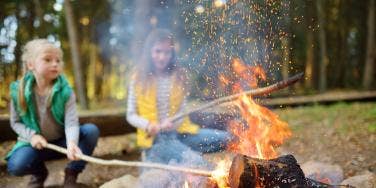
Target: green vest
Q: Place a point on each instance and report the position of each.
(60, 94)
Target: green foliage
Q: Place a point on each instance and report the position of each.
(371, 118)
(372, 128)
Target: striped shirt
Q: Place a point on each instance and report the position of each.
(164, 87)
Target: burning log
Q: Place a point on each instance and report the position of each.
(283, 171)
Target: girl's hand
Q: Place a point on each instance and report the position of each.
(73, 149)
(153, 129)
(38, 141)
(166, 125)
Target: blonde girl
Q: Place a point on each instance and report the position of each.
(42, 110)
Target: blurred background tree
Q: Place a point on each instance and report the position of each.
(333, 42)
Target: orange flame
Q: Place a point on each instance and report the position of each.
(260, 130)
(246, 74)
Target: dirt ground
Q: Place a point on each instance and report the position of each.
(342, 134)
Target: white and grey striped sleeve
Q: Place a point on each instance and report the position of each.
(24, 133)
(132, 117)
(178, 122)
(72, 126)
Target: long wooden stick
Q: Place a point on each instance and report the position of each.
(252, 92)
(115, 162)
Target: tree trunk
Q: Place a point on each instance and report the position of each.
(75, 51)
(343, 47)
(92, 69)
(99, 75)
(324, 61)
(19, 38)
(368, 76)
(309, 60)
(286, 43)
(17, 50)
(309, 64)
(285, 57)
(142, 27)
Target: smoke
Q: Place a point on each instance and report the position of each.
(171, 151)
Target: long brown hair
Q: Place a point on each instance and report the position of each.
(145, 70)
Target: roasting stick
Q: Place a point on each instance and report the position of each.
(115, 162)
(252, 92)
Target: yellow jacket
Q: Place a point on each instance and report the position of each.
(146, 100)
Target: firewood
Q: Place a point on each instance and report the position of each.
(280, 172)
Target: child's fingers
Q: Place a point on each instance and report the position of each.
(73, 151)
(38, 141)
(78, 150)
(76, 155)
(39, 146)
(70, 156)
(43, 143)
(156, 130)
(151, 130)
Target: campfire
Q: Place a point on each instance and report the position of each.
(258, 132)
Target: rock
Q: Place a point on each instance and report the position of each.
(323, 172)
(366, 180)
(126, 181)
(157, 178)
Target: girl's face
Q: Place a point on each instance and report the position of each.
(47, 64)
(161, 54)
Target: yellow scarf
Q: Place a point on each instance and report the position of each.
(147, 108)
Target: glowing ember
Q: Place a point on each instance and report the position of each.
(199, 9)
(219, 3)
(220, 174)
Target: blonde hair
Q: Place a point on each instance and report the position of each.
(29, 53)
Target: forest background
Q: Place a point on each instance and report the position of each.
(332, 42)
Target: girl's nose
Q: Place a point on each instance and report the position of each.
(164, 56)
(55, 63)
